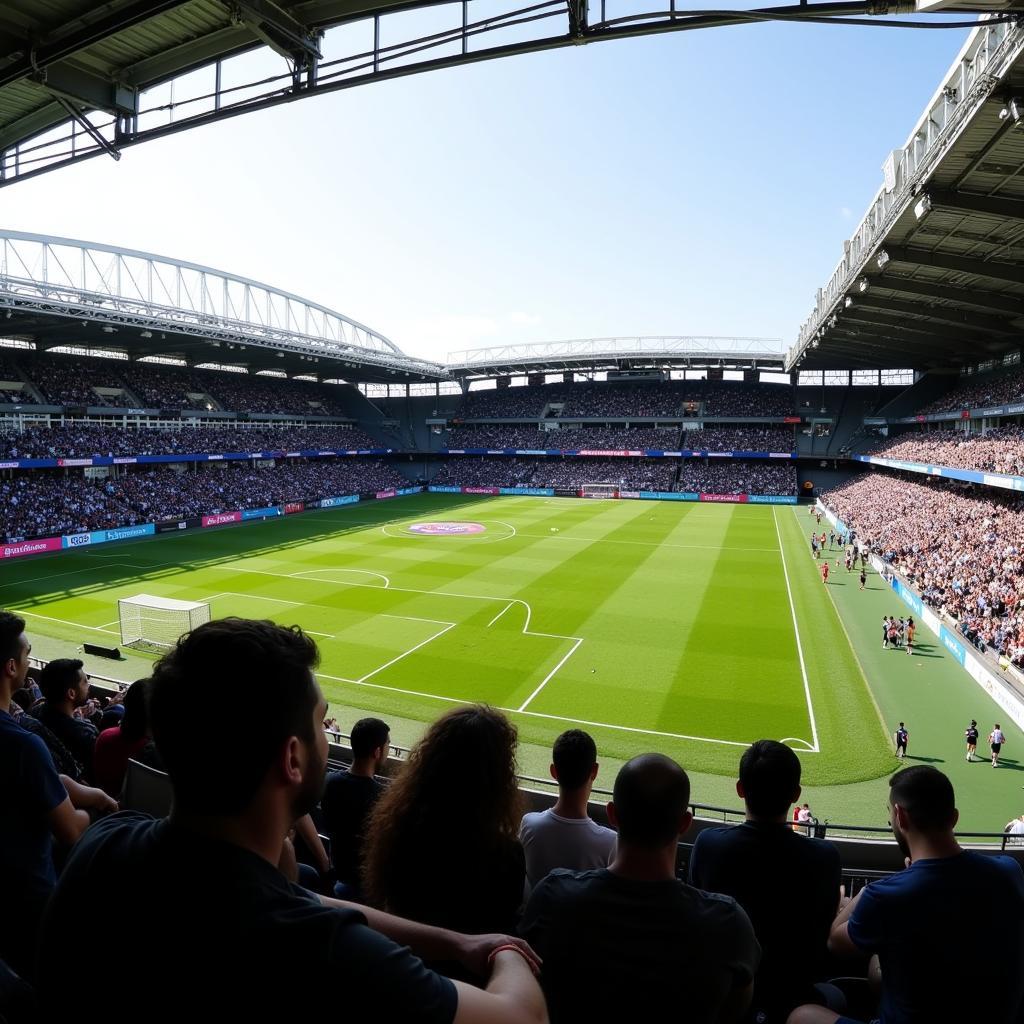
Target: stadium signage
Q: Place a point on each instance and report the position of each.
(600, 451)
(74, 462)
(291, 455)
(78, 540)
(348, 499)
(31, 547)
(1003, 480)
(179, 524)
(670, 495)
(386, 494)
(214, 458)
(481, 490)
(294, 506)
(772, 499)
(953, 645)
(790, 419)
(446, 529)
(440, 489)
(629, 494)
(532, 492)
(125, 533)
(9, 465)
(125, 461)
(220, 518)
(736, 499)
(261, 513)
(456, 451)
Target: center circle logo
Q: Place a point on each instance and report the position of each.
(446, 529)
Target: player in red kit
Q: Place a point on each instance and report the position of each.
(824, 572)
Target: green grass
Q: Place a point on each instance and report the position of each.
(653, 625)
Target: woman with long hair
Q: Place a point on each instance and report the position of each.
(441, 844)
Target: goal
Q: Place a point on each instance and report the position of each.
(154, 624)
(599, 491)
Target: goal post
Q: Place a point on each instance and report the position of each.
(599, 491)
(154, 624)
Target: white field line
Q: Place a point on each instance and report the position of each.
(405, 654)
(544, 681)
(499, 615)
(643, 543)
(66, 622)
(365, 572)
(415, 618)
(796, 631)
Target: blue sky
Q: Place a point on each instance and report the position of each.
(691, 183)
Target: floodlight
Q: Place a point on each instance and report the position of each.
(1014, 110)
(847, 302)
(863, 284)
(882, 259)
(923, 206)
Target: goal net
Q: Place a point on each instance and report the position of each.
(154, 624)
(599, 491)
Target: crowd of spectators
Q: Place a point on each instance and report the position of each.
(519, 918)
(986, 390)
(46, 503)
(621, 400)
(737, 477)
(962, 548)
(79, 440)
(474, 471)
(606, 438)
(572, 473)
(999, 450)
(740, 439)
(70, 380)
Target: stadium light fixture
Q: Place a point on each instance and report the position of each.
(1014, 111)
(923, 207)
(882, 259)
(145, 334)
(863, 284)
(848, 302)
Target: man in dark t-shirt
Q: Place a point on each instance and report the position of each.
(622, 943)
(349, 797)
(761, 864)
(204, 923)
(66, 688)
(922, 922)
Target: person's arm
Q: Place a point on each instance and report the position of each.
(66, 823)
(430, 943)
(88, 798)
(512, 995)
(307, 832)
(839, 941)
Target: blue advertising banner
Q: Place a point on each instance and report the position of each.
(771, 499)
(1007, 482)
(125, 460)
(80, 540)
(402, 491)
(439, 489)
(348, 499)
(953, 645)
(670, 495)
(261, 513)
(532, 492)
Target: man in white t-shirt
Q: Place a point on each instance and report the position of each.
(565, 836)
(1015, 831)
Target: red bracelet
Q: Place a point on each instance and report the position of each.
(515, 949)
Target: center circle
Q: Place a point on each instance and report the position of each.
(446, 529)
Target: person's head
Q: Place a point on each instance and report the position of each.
(458, 787)
(901, 725)
(219, 766)
(371, 741)
(997, 725)
(769, 779)
(650, 802)
(14, 651)
(921, 804)
(574, 760)
(135, 720)
(64, 683)
(974, 724)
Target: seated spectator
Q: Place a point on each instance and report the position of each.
(625, 942)
(66, 689)
(761, 863)
(215, 930)
(441, 842)
(349, 797)
(116, 746)
(565, 836)
(34, 809)
(922, 922)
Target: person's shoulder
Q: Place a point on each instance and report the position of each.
(534, 819)
(24, 738)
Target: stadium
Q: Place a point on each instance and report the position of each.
(678, 545)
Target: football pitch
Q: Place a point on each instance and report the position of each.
(687, 628)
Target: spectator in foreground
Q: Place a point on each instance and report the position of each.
(34, 808)
(116, 746)
(215, 928)
(349, 797)
(441, 842)
(624, 943)
(921, 922)
(565, 836)
(66, 689)
(761, 863)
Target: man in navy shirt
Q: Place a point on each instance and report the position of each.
(34, 807)
(922, 923)
(205, 925)
(761, 864)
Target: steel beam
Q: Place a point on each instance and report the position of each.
(970, 202)
(277, 28)
(1013, 272)
(944, 314)
(1003, 303)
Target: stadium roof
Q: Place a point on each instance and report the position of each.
(934, 274)
(79, 79)
(603, 354)
(56, 292)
